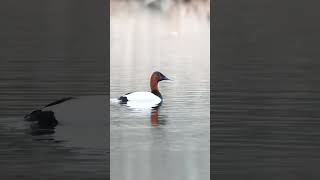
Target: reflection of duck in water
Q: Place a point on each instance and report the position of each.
(145, 99)
(155, 120)
(158, 119)
(154, 117)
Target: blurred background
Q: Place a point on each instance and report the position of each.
(170, 8)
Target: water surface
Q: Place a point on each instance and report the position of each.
(266, 91)
(50, 50)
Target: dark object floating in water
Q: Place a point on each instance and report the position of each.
(44, 121)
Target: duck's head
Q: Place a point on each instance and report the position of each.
(159, 76)
(155, 78)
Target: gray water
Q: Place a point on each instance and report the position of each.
(172, 142)
(266, 91)
(50, 50)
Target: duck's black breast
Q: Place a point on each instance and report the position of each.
(157, 93)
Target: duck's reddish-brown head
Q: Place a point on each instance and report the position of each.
(155, 78)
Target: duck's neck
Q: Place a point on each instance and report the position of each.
(154, 87)
(157, 93)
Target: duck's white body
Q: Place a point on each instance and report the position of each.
(143, 97)
(141, 100)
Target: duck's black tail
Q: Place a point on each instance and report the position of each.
(123, 99)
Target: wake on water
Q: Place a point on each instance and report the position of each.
(114, 100)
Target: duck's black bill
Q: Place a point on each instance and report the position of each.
(163, 77)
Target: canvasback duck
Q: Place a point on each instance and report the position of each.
(153, 97)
